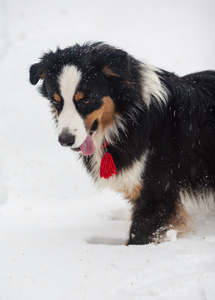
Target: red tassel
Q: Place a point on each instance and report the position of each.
(107, 167)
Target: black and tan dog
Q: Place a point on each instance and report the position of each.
(141, 131)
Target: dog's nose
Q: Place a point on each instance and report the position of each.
(66, 139)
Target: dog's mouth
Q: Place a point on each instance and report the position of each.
(87, 147)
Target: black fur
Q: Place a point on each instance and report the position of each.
(176, 133)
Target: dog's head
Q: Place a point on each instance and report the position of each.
(83, 84)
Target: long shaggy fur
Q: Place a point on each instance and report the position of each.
(160, 129)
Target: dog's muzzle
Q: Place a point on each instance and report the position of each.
(67, 139)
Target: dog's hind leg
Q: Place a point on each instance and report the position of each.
(153, 216)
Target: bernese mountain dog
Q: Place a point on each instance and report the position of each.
(144, 132)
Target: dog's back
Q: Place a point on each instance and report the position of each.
(187, 131)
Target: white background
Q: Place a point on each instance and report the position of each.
(60, 238)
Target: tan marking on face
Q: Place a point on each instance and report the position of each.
(79, 96)
(104, 115)
(57, 97)
(108, 72)
(54, 111)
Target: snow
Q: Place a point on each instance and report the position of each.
(60, 237)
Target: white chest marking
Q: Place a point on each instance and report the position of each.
(127, 180)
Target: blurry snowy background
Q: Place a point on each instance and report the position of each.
(60, 238)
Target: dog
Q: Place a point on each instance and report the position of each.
(142, 131)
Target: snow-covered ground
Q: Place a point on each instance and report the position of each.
(60, 238)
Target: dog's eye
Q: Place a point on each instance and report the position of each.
(83, 103)
(86, 101)
(56, 103)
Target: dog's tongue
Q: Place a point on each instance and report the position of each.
(87, 147)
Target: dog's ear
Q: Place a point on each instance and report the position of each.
(116, 63)
(37, 72)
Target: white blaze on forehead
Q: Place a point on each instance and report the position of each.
(69, 119)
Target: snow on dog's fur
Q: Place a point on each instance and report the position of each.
(158, 128)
